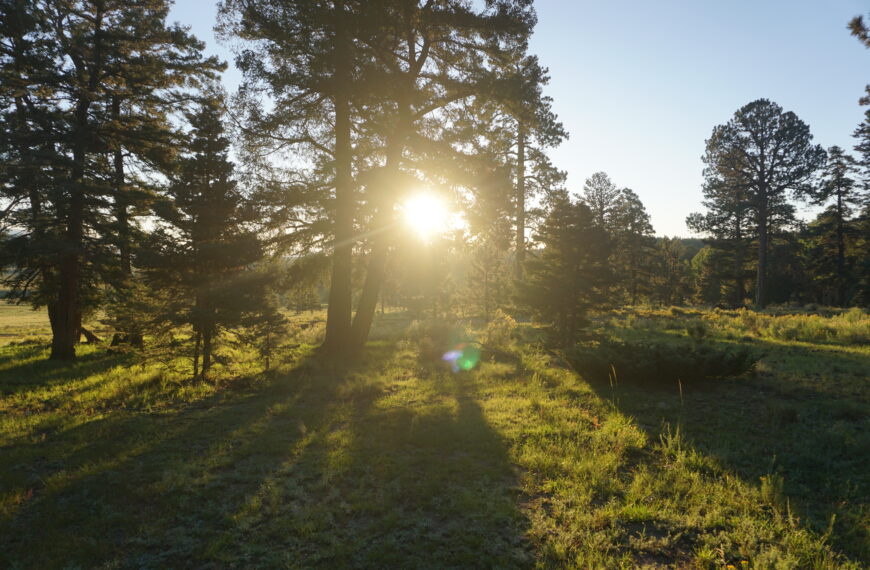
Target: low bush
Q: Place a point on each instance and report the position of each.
(500, 330)
(659, 363)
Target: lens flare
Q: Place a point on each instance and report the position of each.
(462, 357)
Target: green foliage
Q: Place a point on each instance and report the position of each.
(202, 259)
(500, 330)
(570, 274)
(87, 88)
(663, 364)
(752, 164)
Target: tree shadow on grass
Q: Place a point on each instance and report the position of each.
(360, 464)
(24, 369)
(803, 416)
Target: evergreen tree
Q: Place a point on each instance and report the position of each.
(304, 57)
(601, 195)
(729, 224)
(489, 222)
(426, 78)
(521, 127)
(832, 227)
(633, 244)
(569, 275)
(672, 282)
(202, 255)
(763, 153)
(90, 56)
(707, 278)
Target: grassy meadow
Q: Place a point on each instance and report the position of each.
(394, 460)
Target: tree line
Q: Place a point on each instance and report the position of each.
(133, 188)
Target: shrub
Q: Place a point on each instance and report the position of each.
(499, 331)
(652, 363)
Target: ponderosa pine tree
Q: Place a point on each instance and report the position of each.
(840, 190)
(521, 127)
(303, 57)
(31, 161)
(600, 194)
(633, 244)
(434, 57)
(671, 283)
(89, 54)
(488, 279)
(570, 273)
(766, 154)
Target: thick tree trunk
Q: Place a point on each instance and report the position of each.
(520, 203)
(376, 272)
(339, 311)
(65, 325)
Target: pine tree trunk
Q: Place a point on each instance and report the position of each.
(521, 203)
(196, 344)
(738, 266)
(841, 254)
(376, 273)
(761, 280)
(65, 325)
(206, 352)
(339, 309)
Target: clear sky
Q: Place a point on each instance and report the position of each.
(640, 84)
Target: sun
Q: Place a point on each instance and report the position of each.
(426, 215)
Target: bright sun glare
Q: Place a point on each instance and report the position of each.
(426, 215)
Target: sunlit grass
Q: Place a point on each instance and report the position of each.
(392, 460)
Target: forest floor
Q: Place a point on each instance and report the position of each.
(393, 460)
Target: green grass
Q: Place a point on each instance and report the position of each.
(394, 461)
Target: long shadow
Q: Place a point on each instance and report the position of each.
(34, 371)
(387, 470)
(129, 475)
(428, 484)
(809, 427)
(324, 466)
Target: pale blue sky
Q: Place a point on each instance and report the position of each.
(641, 84)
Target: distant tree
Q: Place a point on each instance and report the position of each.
(569, 275)
(601, 195)
(204, 251)
(487, 283)
(763, 153)
(707, 277)
(729, 225)
(672, 282)
(633, 244)
(533, 127)
(839, 188)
